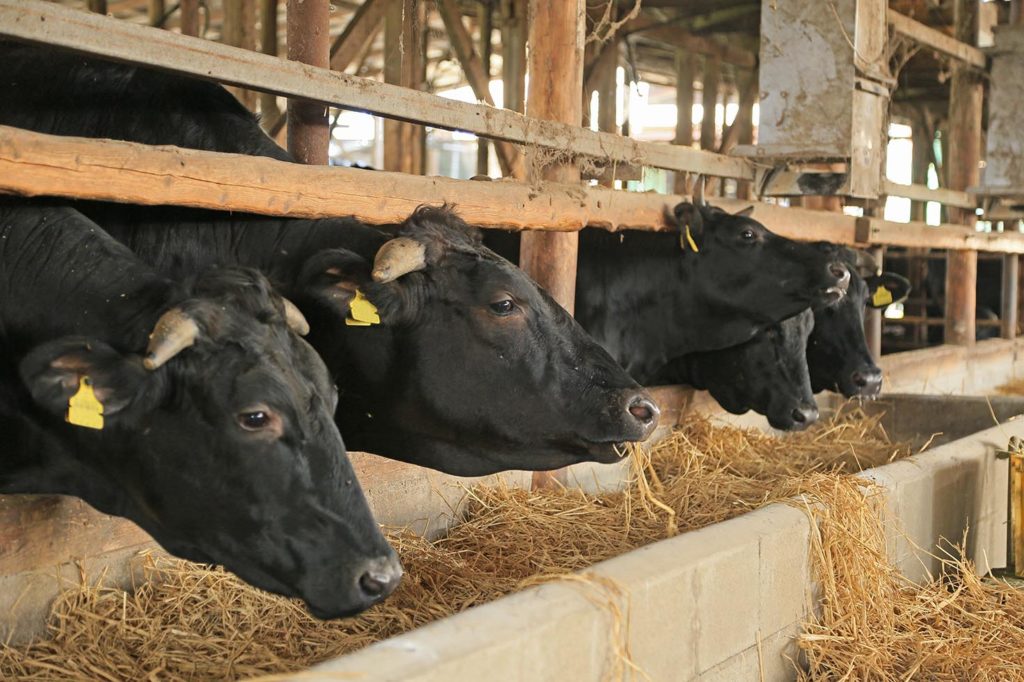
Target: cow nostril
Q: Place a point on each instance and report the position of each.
(374, 584)
(799, 416)
(643, 410)
(859, 380)
(836, 270)
(805, 415)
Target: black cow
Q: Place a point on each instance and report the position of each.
(473, 369)
(837, 351)
(219, 441)
(767, 374)
(650, 297)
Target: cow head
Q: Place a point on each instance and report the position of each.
(837, 352)
(767, 374)
(220, 442)
(741, 272)
(472, 368)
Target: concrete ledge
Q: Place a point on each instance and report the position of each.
(700, 603)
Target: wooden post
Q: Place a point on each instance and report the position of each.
(403, 36)
(685, 71)
(744, 188)
(239, 30)
(189, 15)
(556, 80)
(360, 31)
(513, 56)
(1008, 315)
(269, 111)
(873, 317)
(965, 105)
(98, 6)
(308, 42)
(712, 69)
(483, 145)
(156, 12)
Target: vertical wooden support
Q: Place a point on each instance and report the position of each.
(189, 15)
(155, 12)
(269, 111)
(403, 63)
(685, 72)
(239, 30)
(1008, 315)
(744, 188)
(98, 6)
(513, 56)
(486, 13)
(1015, 525)
(556, 80)
(873, 317)
(360, 31)
(712, 70)
(965, 104)
(308, 42)
(607, 88)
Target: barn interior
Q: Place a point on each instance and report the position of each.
(888, 127)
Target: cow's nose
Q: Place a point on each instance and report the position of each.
(805, 415)
(643, 412)
(867, 380)
(379, 578)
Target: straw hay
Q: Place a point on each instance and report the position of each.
(191, 622)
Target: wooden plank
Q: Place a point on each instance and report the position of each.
(557, 37)
(708, 101)
(477, 76)
(1008, 301)
(239, 30)
(44, 22)
(946, 197)
(686, 66)
(404, 66)
(34, 164)
(936, 40)
(155, 13)
(189, 10)
(360, 31)
(270, 112)
(695, 44)
(485, 11)
(966, 98)
(308, 23)
(38, 531)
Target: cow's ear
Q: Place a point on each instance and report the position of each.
(745, 212)
(886, 288)
(690, 219)
(100, 380)
(332, 277)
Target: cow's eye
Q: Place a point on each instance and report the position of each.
(254, 421)
(747, 235)
(505, 306)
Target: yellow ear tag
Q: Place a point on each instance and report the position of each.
(362, 313)
(882, 296)
(84, 409)
(689, 241)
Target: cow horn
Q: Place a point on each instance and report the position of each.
(398, 257)
(865, 263)
(698, 191)
(294, 317)
(174, 332)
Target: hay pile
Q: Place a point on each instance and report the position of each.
(877, 625)
(191, 622)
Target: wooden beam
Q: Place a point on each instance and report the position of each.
(360, 31)
(45, 22)
(479, 80)
(708, 100)
(513, 53)
(269, 111)
(485, 11)
(936, 40)
(98, 6)
(309, 43)
(189, 17)
(155, 13)
(923, 193)
(728, 54)
(239, 30)
(686, 67)
(1009, 301)
(404, 143)
(557, 37)
(966, 97)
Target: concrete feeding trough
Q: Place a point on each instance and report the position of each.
(825, 85)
